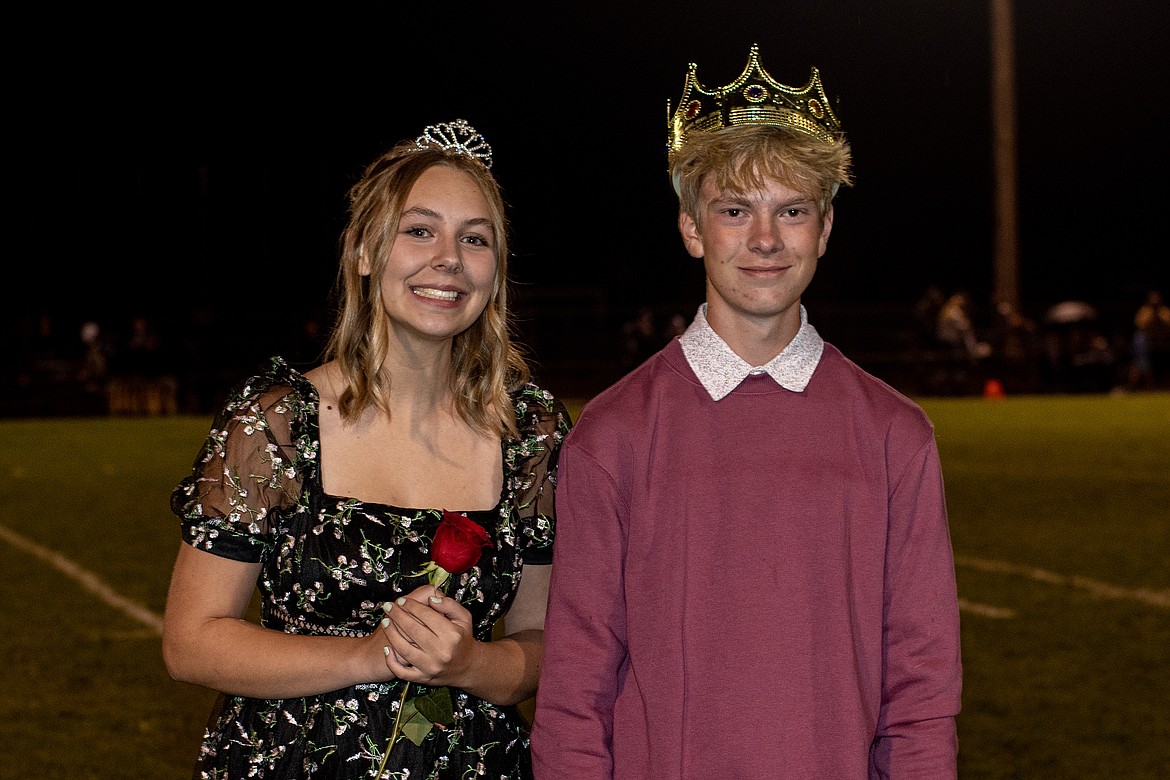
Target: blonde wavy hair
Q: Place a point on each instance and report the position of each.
(486, 366)
(741, 157)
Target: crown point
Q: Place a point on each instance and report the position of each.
(754, 97)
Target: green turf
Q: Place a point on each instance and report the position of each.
(1075, 685)
(1068, 496)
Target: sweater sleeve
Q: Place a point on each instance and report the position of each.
(585, 630)
(916, 734)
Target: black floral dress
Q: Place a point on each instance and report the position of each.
(329, 562)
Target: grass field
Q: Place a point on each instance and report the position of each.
(1060, 515)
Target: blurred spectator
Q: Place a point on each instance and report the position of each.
(1015, 347)
(142, 382)
(1141, 375)
(1071, 352)
(956, 329)
(641, 338)
(47, 357)
(1092, 361)
(1151, 343)
(926, 311)
(676, 327)
(95, 359)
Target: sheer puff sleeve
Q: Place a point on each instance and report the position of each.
(250, 469)
(531, 466)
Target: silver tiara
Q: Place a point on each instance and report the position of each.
(459, 136)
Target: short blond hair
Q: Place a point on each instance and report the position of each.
(741, 157)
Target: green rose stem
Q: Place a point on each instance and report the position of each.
(458, 543)
(438, 577)
(394, 733)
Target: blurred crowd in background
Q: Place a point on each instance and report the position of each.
(947, 346)
(944, 345)
(1071, 348)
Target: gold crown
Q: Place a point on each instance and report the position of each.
(755, 98)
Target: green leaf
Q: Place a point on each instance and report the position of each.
(417, 728)
(435, 706)
(408, 711)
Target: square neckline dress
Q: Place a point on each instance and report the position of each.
(329, 562)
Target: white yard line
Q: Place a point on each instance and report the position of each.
(95, 585)
(984, 610)
(87, 579)
(1155, 598)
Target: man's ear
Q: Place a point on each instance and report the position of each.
(692, 238)
(826, 229)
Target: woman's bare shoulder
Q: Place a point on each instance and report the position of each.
(327, 379)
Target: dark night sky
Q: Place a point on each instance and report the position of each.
(199, 162)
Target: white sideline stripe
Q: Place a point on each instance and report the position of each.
(1155, 598)
(99, 588)
(87, 579)
(984, 610)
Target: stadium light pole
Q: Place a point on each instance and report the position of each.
(1003, 99)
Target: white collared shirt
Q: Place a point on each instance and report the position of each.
(721, 370)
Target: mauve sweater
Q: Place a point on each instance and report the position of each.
(761, 587)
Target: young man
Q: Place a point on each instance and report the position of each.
(753, 572)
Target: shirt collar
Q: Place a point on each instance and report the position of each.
(720, 370)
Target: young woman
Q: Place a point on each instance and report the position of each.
(325, 492)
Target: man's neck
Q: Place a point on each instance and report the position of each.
(755, 339)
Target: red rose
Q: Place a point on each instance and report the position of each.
(457, 546)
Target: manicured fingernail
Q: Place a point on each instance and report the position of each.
(385, 622)
(386, 650)
(436, 600)
(387, 607)
(401, 601)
